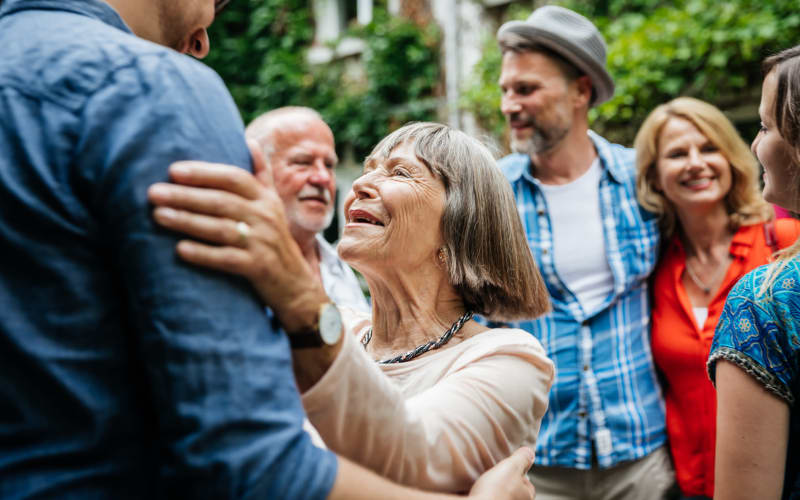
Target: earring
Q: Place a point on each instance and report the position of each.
(441, 256)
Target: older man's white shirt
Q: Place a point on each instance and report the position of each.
(338, 279)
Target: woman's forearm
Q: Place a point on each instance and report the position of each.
(440, 438)
(752, 437)
(505, 481)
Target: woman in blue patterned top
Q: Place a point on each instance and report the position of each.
(755, 357)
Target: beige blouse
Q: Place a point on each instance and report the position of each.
(439, 421)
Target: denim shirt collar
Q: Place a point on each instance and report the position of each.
(522, 165)
(92, 8)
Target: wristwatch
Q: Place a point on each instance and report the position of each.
(327, 331)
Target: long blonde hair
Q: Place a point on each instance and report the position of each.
(744, 202)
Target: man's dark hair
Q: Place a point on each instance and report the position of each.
(512, 42)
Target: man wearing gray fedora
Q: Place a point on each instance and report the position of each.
(603, 436)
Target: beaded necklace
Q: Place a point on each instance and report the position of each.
(433, 344)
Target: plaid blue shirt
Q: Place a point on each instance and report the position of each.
(605, 392)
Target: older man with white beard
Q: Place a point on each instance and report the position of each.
(300, 148)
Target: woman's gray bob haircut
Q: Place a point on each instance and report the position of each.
(487, 254)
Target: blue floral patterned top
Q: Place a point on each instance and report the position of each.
(761, 334)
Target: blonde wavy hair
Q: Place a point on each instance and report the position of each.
(744, 202)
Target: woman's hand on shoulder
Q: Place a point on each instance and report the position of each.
(243, 227)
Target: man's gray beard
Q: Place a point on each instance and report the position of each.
(538, 142)
(313, 227)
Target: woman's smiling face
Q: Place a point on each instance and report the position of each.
(773, 152)
(393, 213)
(691, 170)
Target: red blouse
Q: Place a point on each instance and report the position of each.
(680, 350)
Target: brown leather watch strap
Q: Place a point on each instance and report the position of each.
(305, 340)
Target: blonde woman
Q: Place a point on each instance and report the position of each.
(699, 176)
(755, 357)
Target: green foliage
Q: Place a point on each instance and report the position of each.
(659, 50)
(482, 95)
(401, 72)
(258, 48)
(261, 55)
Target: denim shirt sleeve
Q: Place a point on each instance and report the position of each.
(228, 413)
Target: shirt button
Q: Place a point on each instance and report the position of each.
(582, 414)
(586, 368)
(545, 252)
(540, 212)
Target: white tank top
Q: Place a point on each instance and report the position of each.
(579, 249)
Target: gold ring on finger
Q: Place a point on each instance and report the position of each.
(243, 228)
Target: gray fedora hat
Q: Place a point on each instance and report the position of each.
(572, 36)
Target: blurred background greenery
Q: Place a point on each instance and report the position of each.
(658, 49)
(259, 47)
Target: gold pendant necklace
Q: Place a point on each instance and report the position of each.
(697, 281)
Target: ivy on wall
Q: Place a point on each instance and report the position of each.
(659, 50)
(259, 49)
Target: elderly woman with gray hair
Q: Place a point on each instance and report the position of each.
(433, 227)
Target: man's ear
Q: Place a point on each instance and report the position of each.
(583, 86)
(197, 45)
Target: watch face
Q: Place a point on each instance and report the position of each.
(330, 324)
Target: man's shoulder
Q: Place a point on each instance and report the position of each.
(618, 159)
(601, 142)
(84, 56)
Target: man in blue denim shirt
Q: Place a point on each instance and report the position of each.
(124, 373)
(603, 434)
